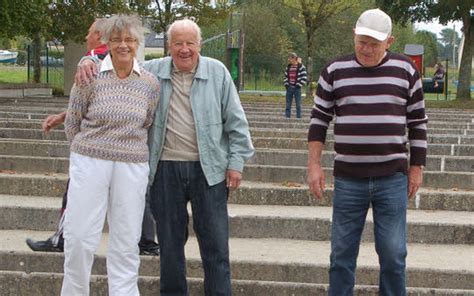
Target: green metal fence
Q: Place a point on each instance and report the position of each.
(51, 63)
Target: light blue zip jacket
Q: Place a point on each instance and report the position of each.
(222, 129)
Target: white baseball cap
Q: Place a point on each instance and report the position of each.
(374, 23)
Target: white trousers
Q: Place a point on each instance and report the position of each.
(99, 187)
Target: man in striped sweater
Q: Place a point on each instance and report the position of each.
(295, 78)
(375, 95)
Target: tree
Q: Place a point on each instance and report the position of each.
(71, 19)
(314, 14)
(266, 43)
(444, 10)
(449, 41)
(428, 40)
(161, 13)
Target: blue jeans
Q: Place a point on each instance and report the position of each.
(176, 183)
(352, 197)
(290, 92)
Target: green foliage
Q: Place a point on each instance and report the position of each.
(266, 44)
(21, 58)
(71, 19)
(313, 15)
(5, 43)
(151, 56)
(449, 39)
(428, 40)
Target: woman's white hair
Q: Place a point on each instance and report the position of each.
(119, 23)
(184, 23)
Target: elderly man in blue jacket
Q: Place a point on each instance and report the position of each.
(198, 144)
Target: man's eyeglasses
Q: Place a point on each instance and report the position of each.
(128, 41)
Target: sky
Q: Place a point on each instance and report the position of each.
(436, 27)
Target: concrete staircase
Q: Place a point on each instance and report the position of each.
(279, 232)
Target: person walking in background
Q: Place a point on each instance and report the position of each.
(55, 243)
(295, 78)
(374, 95)
(107, 125)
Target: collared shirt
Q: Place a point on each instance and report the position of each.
(107, 65)
(99, 52)
(222, 129)
(180, 139)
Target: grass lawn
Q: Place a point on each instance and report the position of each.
(13, 74)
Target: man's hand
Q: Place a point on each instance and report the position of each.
(316, 180)
(53, 121)
(86, 70)
(415, 178)
(233, 179)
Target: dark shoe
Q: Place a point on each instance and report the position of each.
(150, 249)
(42, 246)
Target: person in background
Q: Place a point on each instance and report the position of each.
(295, 78)
(374, 95)
(107, 125)
(55, 243)
(439, 74)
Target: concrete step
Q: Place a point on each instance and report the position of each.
(38, 134)
(274, 157)
(440, 130)
(280, 174)
(265, 221)
(39, 283)
(35, 124)
(32, 134)
(55, 148)
(292, 157)
(302, 144)
(45, 148)
(12, 183)
(43, 109)
(23, 115)
(277, 110)
(303, 134)
(279, 260)
(250, 193)
(34, 164)
(439, 123)
(295, 194)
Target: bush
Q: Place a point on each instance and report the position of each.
(151, 56)
(21, 58)
(56, 54)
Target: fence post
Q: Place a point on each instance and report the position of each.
(446, 81)
(47, 64)
(28, 63)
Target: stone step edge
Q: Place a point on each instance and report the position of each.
(278, 212)
(244, 183)
(16, 281)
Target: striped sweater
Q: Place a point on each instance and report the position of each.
(109, 118)
(301, 76)
(373, 106)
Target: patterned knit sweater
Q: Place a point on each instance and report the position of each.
(109, 118)
(373, 108)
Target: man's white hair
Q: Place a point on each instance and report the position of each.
(184, 23)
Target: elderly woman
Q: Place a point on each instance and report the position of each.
(106, 124)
